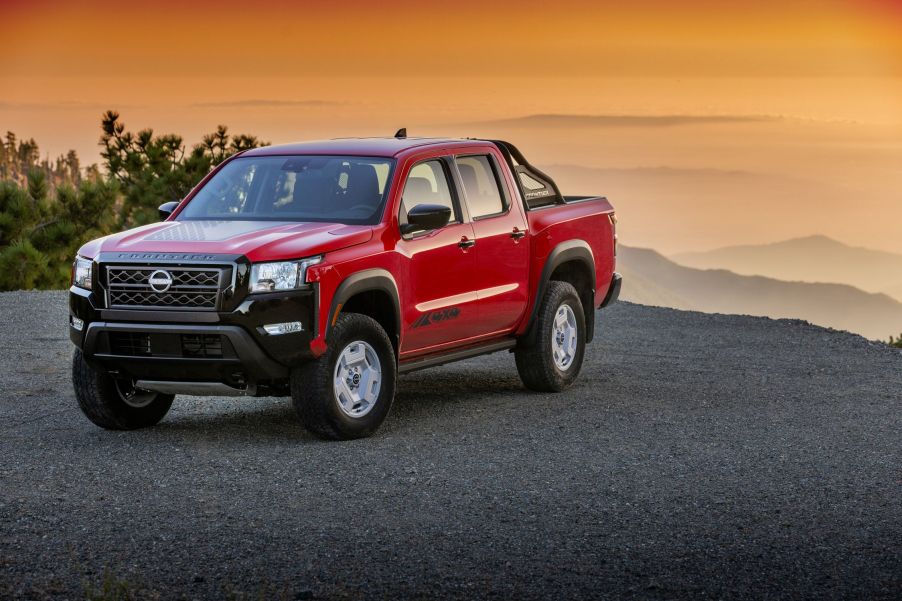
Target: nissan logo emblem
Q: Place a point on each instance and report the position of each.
(160, 280)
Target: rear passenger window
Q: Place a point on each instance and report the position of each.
(480, 182)
(427, 184)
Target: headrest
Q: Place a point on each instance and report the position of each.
(468, 175)
(417, 190)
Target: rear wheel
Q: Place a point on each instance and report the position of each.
(551, 361)
(115, 404)
(347, 392)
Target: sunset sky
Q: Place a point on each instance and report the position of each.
(810, 92)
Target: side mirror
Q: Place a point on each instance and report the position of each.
(166, 209)
(426, 217)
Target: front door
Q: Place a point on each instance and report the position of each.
(440, 296)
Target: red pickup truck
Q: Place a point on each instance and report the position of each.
(322, 270)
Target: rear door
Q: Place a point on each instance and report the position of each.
(440, 287)
(500, 227)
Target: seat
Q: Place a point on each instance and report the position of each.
(362, 188)
(313, 192)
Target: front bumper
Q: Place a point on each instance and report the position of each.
(230, 347)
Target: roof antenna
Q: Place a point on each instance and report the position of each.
(401, 133)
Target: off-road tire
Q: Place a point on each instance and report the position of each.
(534, 356)
(312, 386)
(101, 402)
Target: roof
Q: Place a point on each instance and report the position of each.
(380, 147)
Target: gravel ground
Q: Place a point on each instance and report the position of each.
(698, 456)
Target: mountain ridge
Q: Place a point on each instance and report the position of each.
(815, 258)
(652, 279)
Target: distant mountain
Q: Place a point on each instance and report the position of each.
(894, 291)
(650, 278)
(811, 259)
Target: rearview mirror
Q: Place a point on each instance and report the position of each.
(166, 209)
(426, 217)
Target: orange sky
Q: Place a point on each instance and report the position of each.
(358, 59)
(289, 70)
(417, 38)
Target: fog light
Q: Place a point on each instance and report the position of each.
(288, 327)
(77, 323)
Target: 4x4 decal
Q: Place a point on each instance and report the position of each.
(427, 319)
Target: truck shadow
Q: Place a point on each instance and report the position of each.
(448, 388)
(445, 392)
(260, 421)
(273, 420)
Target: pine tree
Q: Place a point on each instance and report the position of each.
(48, 209)
(155, 169)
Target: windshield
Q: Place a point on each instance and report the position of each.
(347, 190)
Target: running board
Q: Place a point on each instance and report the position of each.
(194, 388)
(458, 355)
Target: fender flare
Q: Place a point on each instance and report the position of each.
(365, 281)
(570, 250)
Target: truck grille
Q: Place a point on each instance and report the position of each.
(164, 288)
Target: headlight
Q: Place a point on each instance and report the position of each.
(81, 273)
(284, 275)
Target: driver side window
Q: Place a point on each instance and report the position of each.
(427, 183)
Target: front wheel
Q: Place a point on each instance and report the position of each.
(553, 358)
(115, 404)
(347, 392)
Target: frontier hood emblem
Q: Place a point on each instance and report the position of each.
(160, 280)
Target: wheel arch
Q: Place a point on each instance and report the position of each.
(571, 261)
(371, 292)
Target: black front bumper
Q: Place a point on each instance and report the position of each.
(230, 347)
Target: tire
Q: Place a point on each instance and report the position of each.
(536, 360)
(357, 408)
(115, 404)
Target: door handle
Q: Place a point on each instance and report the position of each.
(517, 233)
(466, 243)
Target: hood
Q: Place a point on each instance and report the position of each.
(257, 240)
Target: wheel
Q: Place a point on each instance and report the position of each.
(115, 404)
(551, 361)
(347, 392)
